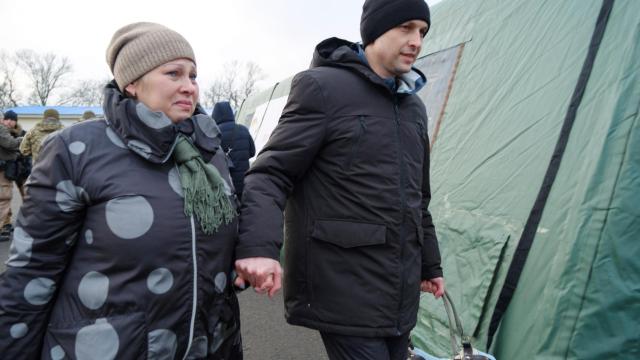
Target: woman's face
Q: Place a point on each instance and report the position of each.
(171, 88)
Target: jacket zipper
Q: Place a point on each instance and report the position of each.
(354, 149)
(195, 287)
(403, 200)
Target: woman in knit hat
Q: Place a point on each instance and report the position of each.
(123, 248)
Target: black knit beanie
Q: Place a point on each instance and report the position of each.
(11, 115)
(378, 16)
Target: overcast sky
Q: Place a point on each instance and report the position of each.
(278, 35)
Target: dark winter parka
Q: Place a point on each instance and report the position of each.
(237, 138)
(351, 156)
(18, 170)
(9, 145)
(104, 263)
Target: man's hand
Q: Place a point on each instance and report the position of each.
(434, 286)
(264, 274)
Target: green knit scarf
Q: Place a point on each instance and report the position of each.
(203, 188)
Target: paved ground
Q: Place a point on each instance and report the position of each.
(266, 335)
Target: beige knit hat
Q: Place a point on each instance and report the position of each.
(138, 48)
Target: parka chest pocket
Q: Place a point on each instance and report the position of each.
(360, 133)
(360, 143)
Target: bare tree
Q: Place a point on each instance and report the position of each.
(84, 93)
(253, 74)
(234, 85)
(212, 95)
(45, 72)
(8, 93)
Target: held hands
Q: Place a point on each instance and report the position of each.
(434, 286)
(264, 274)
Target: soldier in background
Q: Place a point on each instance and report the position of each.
(17, 170)
(87, 115)
(8, 152)
(33, 140)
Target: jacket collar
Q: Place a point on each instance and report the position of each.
(152, 135)
(342, 53)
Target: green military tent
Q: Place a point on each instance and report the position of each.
(533, 109)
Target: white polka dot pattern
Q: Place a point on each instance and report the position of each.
(220, 282)
(20, 249)
(174, 181)
(100, 338)
(217, 338)
(115, 139)
(153, 119)
(129, 217)
(88, 237)
(207, 125)
(70, 197)
(77, 147)
(160, 281)
(57, 353)
(93, 290)
(18, 330)
(39, 291)
(198, 348)
(162, 345)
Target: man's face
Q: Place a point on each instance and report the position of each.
(9, 123)
(395, 51)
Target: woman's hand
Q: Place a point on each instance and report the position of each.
(264, 274)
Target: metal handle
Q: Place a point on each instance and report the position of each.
(454, 320)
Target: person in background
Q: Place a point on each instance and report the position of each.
(19, 169)
(9, 146)
(123, 248)
(348, 164)
(236, 142)
(33, 139)
(87, 115)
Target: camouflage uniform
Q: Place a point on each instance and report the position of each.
(8, 151)
(33, 140)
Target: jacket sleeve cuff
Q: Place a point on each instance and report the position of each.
(271, 252)
(431, 272)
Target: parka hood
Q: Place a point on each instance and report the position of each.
(151, 134)
(342, 53)
(222, 112)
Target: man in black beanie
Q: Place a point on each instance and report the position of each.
(348, 164)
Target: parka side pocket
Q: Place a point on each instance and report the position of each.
(347, 234)
(350, 257)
